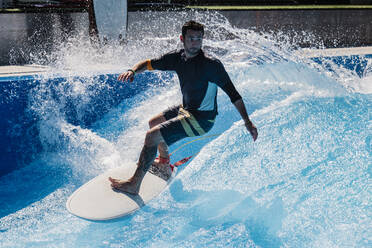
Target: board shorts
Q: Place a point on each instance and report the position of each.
(181, 124)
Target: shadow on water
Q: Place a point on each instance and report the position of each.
(226, 208)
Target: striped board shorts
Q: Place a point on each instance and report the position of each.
(181, 124)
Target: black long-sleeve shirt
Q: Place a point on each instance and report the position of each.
(199, 77)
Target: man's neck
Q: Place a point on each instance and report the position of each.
(190, 56)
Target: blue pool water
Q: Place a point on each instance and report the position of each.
(306, 181)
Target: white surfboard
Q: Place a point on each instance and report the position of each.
(96, 200)
(109, 19)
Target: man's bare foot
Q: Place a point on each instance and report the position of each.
(124, 186)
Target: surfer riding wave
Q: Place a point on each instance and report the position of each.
(200, 76)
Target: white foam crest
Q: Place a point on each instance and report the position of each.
(81, 149)
(364, 84)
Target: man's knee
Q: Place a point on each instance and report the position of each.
(156, 120)
(152, 123)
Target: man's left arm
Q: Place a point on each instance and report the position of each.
(226, 84)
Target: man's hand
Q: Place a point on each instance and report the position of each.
(252, 129)
(137, 68)
(126, 76)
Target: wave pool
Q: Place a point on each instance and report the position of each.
(306, 181)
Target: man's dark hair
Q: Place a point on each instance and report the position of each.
(192, 25)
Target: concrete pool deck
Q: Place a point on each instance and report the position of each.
(335, 52)
(21, 70)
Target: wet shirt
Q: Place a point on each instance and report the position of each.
(199, 77)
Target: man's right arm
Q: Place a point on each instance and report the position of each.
(164, 63)
(137, 68)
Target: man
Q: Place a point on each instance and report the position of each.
(199, 77)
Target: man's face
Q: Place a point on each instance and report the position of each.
(192, 42)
